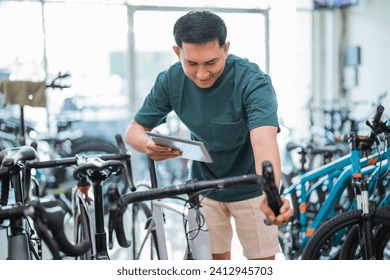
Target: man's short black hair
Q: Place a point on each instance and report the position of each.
(199, 27)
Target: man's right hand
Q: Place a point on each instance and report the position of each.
(157, 152)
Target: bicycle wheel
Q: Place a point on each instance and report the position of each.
(352, 248)
(330, 239)
(144, 238)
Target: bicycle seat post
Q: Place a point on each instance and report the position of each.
(97, 180)
(153, 174)
(158, 216)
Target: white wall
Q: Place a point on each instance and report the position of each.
(369, 27)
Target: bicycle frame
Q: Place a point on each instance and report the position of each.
(199, 243)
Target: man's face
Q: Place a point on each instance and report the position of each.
(203, 63)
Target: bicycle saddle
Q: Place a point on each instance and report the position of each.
(95, 165)
(12, 156)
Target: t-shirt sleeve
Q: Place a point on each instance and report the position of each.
(261, 102)
(156, 105)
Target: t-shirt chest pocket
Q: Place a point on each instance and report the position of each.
(227, 135)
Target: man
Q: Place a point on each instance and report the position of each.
(230, 105)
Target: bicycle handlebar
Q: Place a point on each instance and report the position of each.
(68, 161)
(377, 127)
(123, 156)
(118, 203)
(192, 186)
(48, 217)
(378, 115)
(60, 76)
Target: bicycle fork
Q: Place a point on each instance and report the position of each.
(365, 234)
(360, 185)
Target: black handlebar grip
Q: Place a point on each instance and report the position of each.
(269, 187)
(378, 114)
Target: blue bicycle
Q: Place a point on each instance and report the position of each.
(333, 182)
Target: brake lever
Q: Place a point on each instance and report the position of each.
(273, 197)
(115, 221)
(49, 216)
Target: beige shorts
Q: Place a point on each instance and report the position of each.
(257, 239)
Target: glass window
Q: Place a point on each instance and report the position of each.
(22, 48)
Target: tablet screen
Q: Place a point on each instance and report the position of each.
(191, 149)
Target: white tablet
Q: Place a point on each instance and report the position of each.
(191, 149)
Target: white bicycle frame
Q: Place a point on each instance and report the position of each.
(199, 242)
(198, 237)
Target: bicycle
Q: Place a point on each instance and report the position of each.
(334, 178)
(359, 234)
(24, 240)
(90, 171)
(363, 233)
(197, 238)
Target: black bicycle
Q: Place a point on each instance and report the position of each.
(24, 239)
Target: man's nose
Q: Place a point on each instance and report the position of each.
(202, 73)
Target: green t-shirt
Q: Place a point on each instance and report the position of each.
(221, 117)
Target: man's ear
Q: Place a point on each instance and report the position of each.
(177, 51)
(227, 45)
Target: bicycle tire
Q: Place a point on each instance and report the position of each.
(85, 143)
(327, 242)
(144, 237)
(351, 249)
